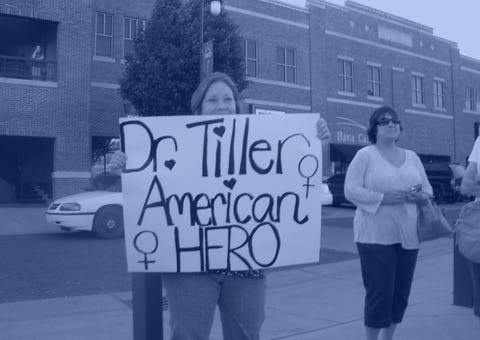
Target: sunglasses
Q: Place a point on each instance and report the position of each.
(386, 121)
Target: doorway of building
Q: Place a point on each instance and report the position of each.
(26, 165)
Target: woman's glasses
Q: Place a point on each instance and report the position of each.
(386, 121)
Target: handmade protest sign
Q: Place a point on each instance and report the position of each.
(232, 192)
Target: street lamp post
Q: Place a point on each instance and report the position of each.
(147, 301)
(215, 9)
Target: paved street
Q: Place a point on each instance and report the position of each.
(57, 283)
(44, 262)
(51, 265)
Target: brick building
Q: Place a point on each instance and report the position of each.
(55, 105)
(350, 59)
(341, 61)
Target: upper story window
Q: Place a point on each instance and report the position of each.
(30, 50)
(286, 65)
(417, 90)
(439, 94)
(104, 34)
(345, 75)
(251, 58)
(131, 28)
(374, 81)
(470, 100)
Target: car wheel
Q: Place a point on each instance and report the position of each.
(108, 223)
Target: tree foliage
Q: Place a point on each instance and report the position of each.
(102, 146)
(161, 76)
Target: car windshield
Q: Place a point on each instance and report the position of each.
(105, 182)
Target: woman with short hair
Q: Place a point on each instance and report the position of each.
(386, 182)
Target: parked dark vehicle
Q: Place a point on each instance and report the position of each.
(335, 185)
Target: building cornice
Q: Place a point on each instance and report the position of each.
(474, 60)
(325, 4)
(282, 4)
(265, 16)
(468, 69)
(379, 45)
(384, 15)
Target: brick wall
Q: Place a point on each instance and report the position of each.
(106, 105)
(354, 34)
(61, 111)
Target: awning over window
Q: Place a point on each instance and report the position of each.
(343, 152)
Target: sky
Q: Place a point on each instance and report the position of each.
(457, 20)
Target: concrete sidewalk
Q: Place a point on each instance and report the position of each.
(313, 302)
(24, 219)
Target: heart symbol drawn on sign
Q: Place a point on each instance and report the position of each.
(170, 164)
(219, 130)
(230, 183)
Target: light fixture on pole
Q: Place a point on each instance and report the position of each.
(206, 54)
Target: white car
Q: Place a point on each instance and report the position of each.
(99, 211)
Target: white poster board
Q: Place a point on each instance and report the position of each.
(232, 192)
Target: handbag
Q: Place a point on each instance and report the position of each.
(467, 231)
(432, 223)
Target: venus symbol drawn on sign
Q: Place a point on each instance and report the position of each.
(146, 242)
(307, 168)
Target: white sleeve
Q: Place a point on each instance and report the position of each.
(355, 190)
(426, 186)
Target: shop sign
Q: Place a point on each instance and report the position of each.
(349, 131)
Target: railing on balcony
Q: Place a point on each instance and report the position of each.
(26, 68)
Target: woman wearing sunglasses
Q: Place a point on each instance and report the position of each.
(386, 182)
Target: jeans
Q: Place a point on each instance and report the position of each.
(193, 297)
(387, 272)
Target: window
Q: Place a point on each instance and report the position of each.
(470, 100)
(131, 28)
(345, 75)
(286, 65)
(439, 94)
(251, 58)
(374, 82)
(104, 35)
(417, 90)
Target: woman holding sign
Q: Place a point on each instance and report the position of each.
(240, 295)
(385, 182)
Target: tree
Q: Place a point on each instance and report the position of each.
(161, 76)
(227, 42)
(101, 146)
